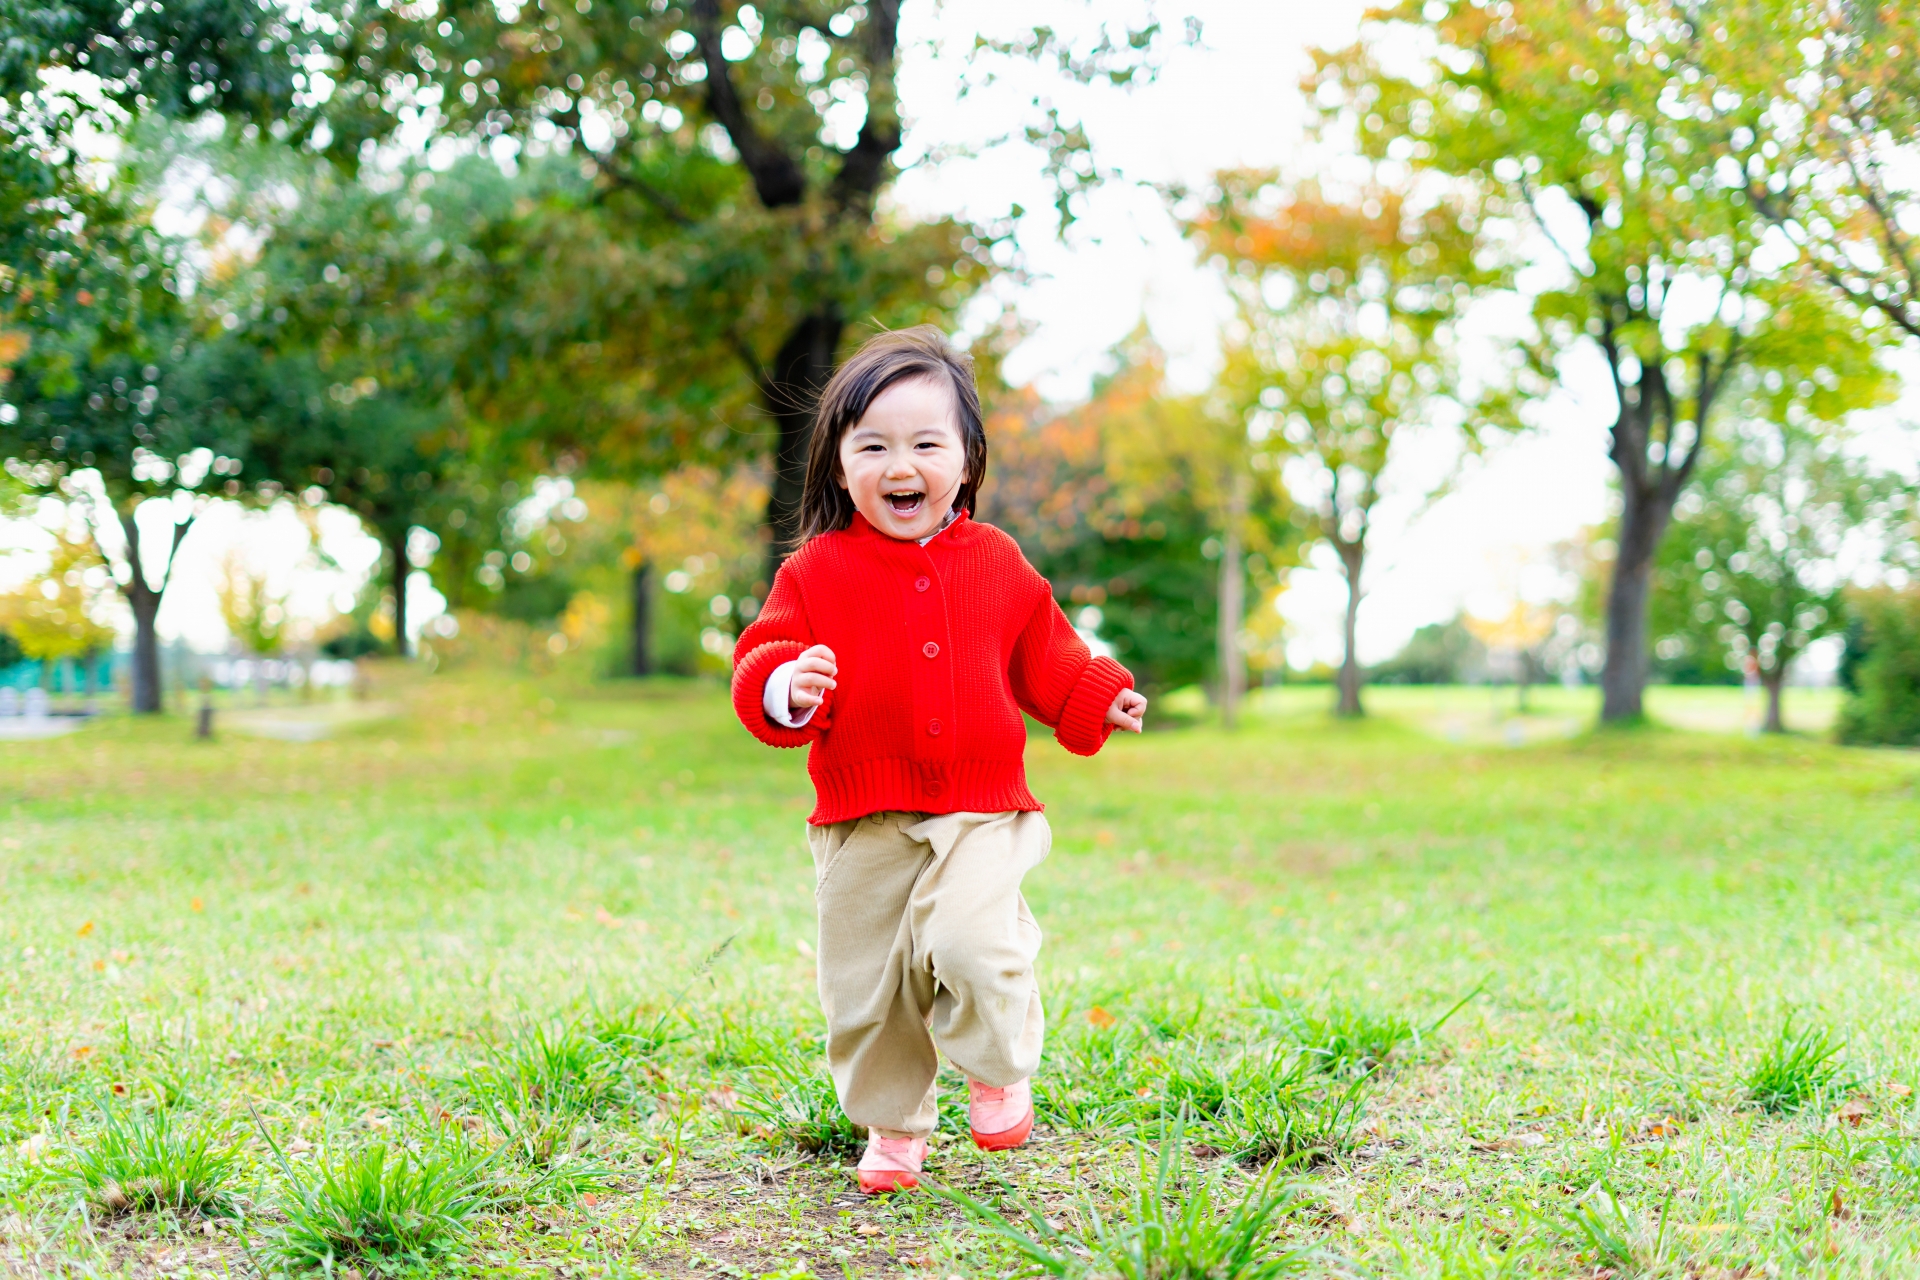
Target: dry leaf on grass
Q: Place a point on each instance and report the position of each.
(1659, 1127)
(1512, 1142)
(1100, 1017)
(1854, 1110)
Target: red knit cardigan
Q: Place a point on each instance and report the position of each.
(939, 649)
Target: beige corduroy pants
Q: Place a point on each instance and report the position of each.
(926, 947)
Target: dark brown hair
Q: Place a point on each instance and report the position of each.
(882, 360)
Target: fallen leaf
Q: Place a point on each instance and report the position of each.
(589, 1199)
(383, 1044)
(867, 1229)
(1854, 1110)
(197, 905)
(80, 1051)
(1836, 1206)
(33, 1148)
(85, 929)
(723, 1098)
(119, 1089)
(1899, 1090)
(1513, 1142)
(299, 1147)
(1661, 1127)
(1100, 1017)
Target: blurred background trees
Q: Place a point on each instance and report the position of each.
(540, 295)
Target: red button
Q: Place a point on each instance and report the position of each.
(933, 727)
(931, 649)
(935, 787)
(921, 584)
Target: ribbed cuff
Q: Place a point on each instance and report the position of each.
(749, 688)
(1083, 727)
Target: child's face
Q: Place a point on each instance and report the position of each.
(904, 462)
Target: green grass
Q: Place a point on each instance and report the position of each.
(557, 938)
(147, 1161)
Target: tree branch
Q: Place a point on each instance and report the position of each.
(664, 204)
(777, 177)
(865, 164)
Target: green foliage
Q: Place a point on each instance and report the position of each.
(1796, 1069)
(1121, 504)
(1883, 705)
(10, 653)
(1174, 1224)
(794, 1100)
(384, 1206)
(143, 1161)
(1438, 653)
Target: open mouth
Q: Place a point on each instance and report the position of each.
(906, 503)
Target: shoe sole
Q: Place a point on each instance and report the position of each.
(879, 1182)
(1006, 1139)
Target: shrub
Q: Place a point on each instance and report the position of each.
(1884, 705)
(146, 1163)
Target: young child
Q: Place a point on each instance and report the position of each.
(902, 641)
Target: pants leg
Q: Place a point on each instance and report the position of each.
(925, 939)
(972, 928)
(882, 1059)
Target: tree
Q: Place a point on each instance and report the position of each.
(105, 402)
(1574, 120)
(1764, 547)
(55, 616)
(1347, 306)
(1122, 503)
(1824, 139)
(761, 137)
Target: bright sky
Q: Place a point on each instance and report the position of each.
(1230, 101)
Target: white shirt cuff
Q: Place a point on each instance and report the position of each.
(778, 698)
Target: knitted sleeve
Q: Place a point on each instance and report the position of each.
(779, 633)
(1057, 680)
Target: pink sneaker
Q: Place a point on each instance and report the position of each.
(1001, 1119)
(891, 1164)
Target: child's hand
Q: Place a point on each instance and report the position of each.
(813, 675)
(1129, 711)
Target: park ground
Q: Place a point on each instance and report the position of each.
(550, 942)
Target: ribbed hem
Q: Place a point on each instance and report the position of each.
(1083, 726)
(914, 786)
(750, 675)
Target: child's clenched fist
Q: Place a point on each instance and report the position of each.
(813, 674)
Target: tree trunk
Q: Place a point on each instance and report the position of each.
(1623, 678)
(144, 600)
(1352, 558)
(641, 659)
(1774, 682)
(397, 549)
(1233, 606)
(789, 391)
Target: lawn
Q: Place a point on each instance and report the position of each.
(519, 981)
